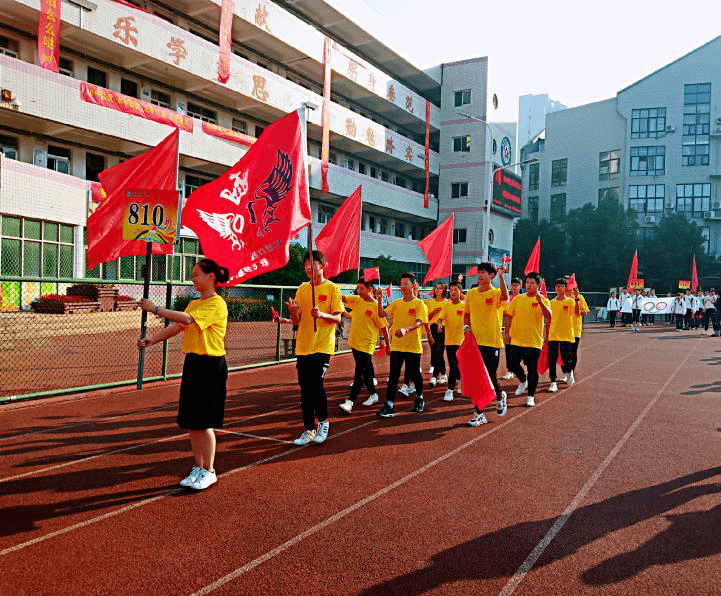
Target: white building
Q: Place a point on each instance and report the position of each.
(655, 146)
(54, 143)
(532, 111)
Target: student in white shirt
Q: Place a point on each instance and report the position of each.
(688, 301)
(636, 306)
(623, 297)
(679, 310)
(613, 306)
(709, 309)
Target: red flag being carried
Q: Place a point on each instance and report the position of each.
(534, 261)
(542, 289)
(477, 383)
(339, 240)
(275, 314)
(473, 270)
(694, 276)
(246, 218)
(157, 168)
(388, 291)
(438, 248)
(571, 283)
(633, 274)
(372, 273)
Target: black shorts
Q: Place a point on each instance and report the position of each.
(202, 392)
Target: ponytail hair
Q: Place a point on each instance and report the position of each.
(222, 274)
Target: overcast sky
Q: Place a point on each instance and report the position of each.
(574, 50)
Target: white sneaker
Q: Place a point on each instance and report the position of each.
(305, 438)
(508, 376)
(564, 379)
(404, 390)
(477, 419)
(375, 381)
(346, 406)
(430, 370)
(703, 333)
(522, 388)
(190, 478)
(443, 379)
(530, 402)
(322, 433)
(371, 400)
(449, 395)
(411, 388)
(571, 378)
(433, 381)
(553, 388)
(204, 479)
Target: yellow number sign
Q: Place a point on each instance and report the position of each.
(151, 216)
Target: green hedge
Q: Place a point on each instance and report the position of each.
(241, 309)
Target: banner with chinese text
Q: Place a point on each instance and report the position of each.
(49, 34)
(225, 38)
(229, 135)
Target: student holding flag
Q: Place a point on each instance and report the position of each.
(561, 335)
(315, 343)
(435, 310)
(577, 323)
(451, 323)
(409, 386)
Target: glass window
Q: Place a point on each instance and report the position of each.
(462, 98)
(648, 123)
(609, 165)
(50, 260)
(58, 159)
(32, 229)
(533, 176)
(66, 234)
(11, 226)
(558, 207)
(400, 230)
(696, 124)
(97, 77)
(50, 231)
(127, 267)
(202, 113)
(9, 47)
(325, 212)
(9, 147)
(10, 256)
(613, 193)
(462, 144)
(66, 261)
(559, 172)
(693, 199)
(459, 189)
(706, 233)
(240, 126)
(648, 161)
(159, 98)
(361, 168)
(128, 87)
(383, 226)
(66, 67)
(459, 235)
(533, 209)
(31, 259)
(193, 182)
(371, 223)
(649, 198)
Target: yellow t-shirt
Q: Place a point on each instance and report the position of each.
(527, 323)
(327, 299)
(562, 320)
(432, 304)
(578, 320)
(206, 335)
(452, 316)
(486, 312)
(404, 314)
(365, 324)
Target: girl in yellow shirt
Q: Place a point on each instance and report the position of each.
(435, 310)
(205, 373)
(451, 324)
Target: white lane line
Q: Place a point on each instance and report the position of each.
(232, 432)
(536, 553)
(359, 504)
(629, 381)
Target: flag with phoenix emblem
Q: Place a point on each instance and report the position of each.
(246, 218)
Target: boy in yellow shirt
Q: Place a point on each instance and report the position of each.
(408, 314)
(451, 324)
(577, 329)
(525, 316)
(560, 333)
(483, 315)
(314, 345)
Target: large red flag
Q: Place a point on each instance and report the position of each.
(339, 239)
(157, 168)
(633, 274)
(694, 276)
(246, 218)
(534, 261)
(477, 384)
(438, 248)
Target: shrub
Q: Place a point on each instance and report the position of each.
(124, 298)
(88, 291)
(62, 298)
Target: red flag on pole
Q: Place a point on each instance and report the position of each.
(438, 248)
(534, 261)
(275, 314)
(339, 239)
(246, 218)
(372, 273)
(476, 381)
(633, 274)
(157, 168)
(571, 283)
(543, 359)
(694, 276)
(473, 270)
(542, 289)
(388, 291)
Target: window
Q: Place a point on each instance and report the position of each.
(693, 198)
(191, 253)
(462, 98)
(648, 123)
(66, 67)
(191, 183)
(494, 146)
(696, 124)
(240, 126)
(648, 161)
(59, 159)
(459, 189)
(613, 193)
(128, 87)
(259, 131)
(706, 233)
(361, 168)
(559, 172)
(35, 248)
(332, 157)
(350, 164)
(533, 175)
(383, 226)
(9, 47)
(558, 207)
(371, 223)
(459, 236)
(384, 176)
(533, 209)
(647, 199)
(325, 213)
(609, 165)
(94, 164)
(400, 229)
(201, 113)
(97, 77)
(374, 172)
(400, 182)
(462, 144)
(159, 98)
(9, 147)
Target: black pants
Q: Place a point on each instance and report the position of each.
(453, 373)
(364, 374)
(679, 321)
(529, 357)
(413, 371)
(707, 314)
(491, 356)
(612, 318)
(437, 361)
(313, 398)
(687, 318)
(566, 349)
(574, 353)
(716, 319)
(636, 315)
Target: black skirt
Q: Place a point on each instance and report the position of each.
(202, 392)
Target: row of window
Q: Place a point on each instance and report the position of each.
(378, 225)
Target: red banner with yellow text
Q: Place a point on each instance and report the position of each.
(325, 116)
(229, 135)
(49, 34)
(225, 36)
(428, 152)
(131, 105)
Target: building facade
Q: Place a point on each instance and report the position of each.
(532, 111)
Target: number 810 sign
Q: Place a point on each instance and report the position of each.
(151, 216)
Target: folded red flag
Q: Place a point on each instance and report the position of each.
(477, 383)
(382, 351)
(275, 314)
(388, 291)
(543, 359)
(571, 282)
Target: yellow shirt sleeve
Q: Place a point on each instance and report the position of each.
(206, 335)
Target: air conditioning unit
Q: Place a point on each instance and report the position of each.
(649, 219)
(670, 128)
(707, 214)
(716, 132)
(718, 120)
(716, 205)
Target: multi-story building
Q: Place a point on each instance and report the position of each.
(164, 56)
(532, 111)
(655, 146)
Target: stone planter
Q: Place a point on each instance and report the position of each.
(125, 305)
(106, 298)
(60, 308)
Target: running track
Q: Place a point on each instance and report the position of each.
(611, 486)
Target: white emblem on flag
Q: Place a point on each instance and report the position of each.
(228, 225)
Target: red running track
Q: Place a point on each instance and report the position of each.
(610, 486)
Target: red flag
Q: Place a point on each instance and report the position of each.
(388, 291)
(382, 351)
(225, 35)
(476, 381)
(694, 276)
(543, 359)
(49, 34)
(633, 274)
(506, 259)
(372, 273)
(427, 155)
(534, 261)
(571, 283)
(430, 293)
(339, 239)
(438, 248)
(542, 289)
(473, 270)
(157, 168)
(275, 314)
(246, 218)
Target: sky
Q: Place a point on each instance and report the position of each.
(575, 51)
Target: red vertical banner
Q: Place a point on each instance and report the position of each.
(428, 151)
(325, 147)
(49, 34)
(225, 39)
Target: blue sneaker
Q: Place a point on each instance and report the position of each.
(387, 412)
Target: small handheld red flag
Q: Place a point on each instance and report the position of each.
(476, 381)
(506, 259)
(438, 248)
(339, 240)
(543, 359)
(275, 314)
(542, 289)
(372, 273)
(571, 282)
(473, 270)
(534, 261)
(388, 291)
(382, 351)
(633, 274)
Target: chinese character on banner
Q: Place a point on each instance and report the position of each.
(392, 92)
(126, 31)
(372, 82)
(409, 153)
(371, 137)
(350, 127)
(261, 16)
(259, 89)
(389, 145)
(177, 49)
(353, 70)
(409, 103)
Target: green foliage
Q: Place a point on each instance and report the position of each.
(390, 270)
(242, 309)
(293, 274)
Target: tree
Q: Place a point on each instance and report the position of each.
(293, 274)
